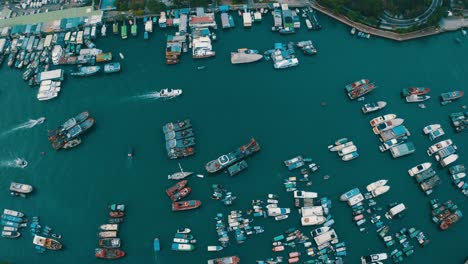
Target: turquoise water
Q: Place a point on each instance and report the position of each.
(228, 104)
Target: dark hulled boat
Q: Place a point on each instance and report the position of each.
(175, 153)
(109, 253)
(180, 143)
(414, 90)
(361, 90)
(69, 124)
(450, 220)
(181, 194)
(176, 187)
(186, 205)
(232, 157)
(80, 128)
(109, 242)
(181, 125)
(179, 134)
(450, 96)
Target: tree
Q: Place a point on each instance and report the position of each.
(156, 6)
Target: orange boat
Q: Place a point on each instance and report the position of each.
(181, 194)
(176, 187)
(109, 253)
(186, 205)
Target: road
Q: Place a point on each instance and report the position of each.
(405, 23)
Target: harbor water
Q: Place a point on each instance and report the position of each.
(290, 112)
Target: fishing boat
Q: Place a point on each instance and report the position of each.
(225, 260)
(176, 187)
(109, 227)
(438, 146)
(387, 125)
(109, 253)
(349, 194)
(350, 156)
(381, 119)
(237, 168)
(356, 84)
(376, 185)
(72, 143)
(181, 194)
(374, 258)
(429, 128)
(186, 205)
(230, 158)
(109, 242)
(169, 94)
(11, 234)
(112, 67)
(380, 190)
(156, 245)
(21, 188)
(417, 98)
(107, 234)
(450, 96)
(182, 247)
(450, 220)
(415, 91)
(179, 134)
(419, 168)
(180, 125)
(372, 107)
(68, 124)
(179, 175)
(12, 213)
(86, 71)
(180, 143)
(215, 248)
(47, 243)
(294, 163)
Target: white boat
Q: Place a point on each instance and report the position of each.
(281, 217)
(215, 248)
(353, 31)
(374, 258)
(121, 55)
(312, 220)
(10, 228)
(438, 146)
(11, 234)
(272, 201)
(179, 175)
(183, 240)
(12, 213)
(20, 187)
(387, 125)
(428, 129)
(419, 168)
(391, 143)
(414, 98)
(448, 160)
(458, 176)
(200, 176)
(395, 211)
(372, 107)
(308, 24)
(319, 231)
(303, 194)
(380, 190)
(341, 146)
(169, 94)
(271, 206)
(375, 185)
(103, 30)
(57, 52)
(183, 230)
(110, 227)
(107, 234)
(350, 156)
(355, 199)
(347, 150)
(378, 120)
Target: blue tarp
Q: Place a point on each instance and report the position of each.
(108, 5)
(399, 130)
(224, 8)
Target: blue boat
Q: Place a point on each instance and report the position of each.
(146, 35)
(237, 168)
(156, 245)
(450, 96)
(112, 67)
(294, 163)
(12, 218)
(344, 197)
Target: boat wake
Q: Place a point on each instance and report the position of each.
(26, 125)
(145, 96)
(16, 163)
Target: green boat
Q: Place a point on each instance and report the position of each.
(134, 29)
(124, 31)
(115, 28)
(237, 168)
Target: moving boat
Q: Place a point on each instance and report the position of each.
(47, 243)
(109, 242)
(414, 91)
(428, 129)
(417, 98)
(376, 185)
(245, 56)
(186, 205)
(20, 187)
(169, 94)
(419, 168)
(86, 71)
(176, 187)
(378, 120)
(109, 253)
(179, 175)
(450, 96)
(112, 67)
(232, 157)
(372, 107)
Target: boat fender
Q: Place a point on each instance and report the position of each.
(323, 103)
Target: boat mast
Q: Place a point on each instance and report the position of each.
(181, 170)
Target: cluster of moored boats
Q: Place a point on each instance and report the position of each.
(183, 240)
(459, 120)
(67, 135)
(12, 221)
(180, 140)
(445, 214)
(359, 88)
(221, 194)
(425, 176)
(401, 240)
(20, 189)
(458, 174)
(229, 160)
(240, 227)
(109, 242)
(283, 56)
(296, 163)
(393, 135)
(345, 149)
(177, 192)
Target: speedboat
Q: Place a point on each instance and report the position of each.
(419, 168)
(417, 98)
(372, 107)
(21, 163)
(169, 94)
(375, 185)
(429, 128)
(183, 230)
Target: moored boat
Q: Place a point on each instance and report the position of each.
(182, 247)
(180, 125)
(450, 96)
(294, 163)
(419, 168)
(230, 158)
(350, 156)
(347, 150)
(225, 260)
(380, 190)
(69, 124)
(374, 258)
(372, 107)
(347, 195)
(375, 185)
(109, 253)
(112, 67)
(245, 56)
(391, 143)
(215, 248)
(181, 194)
(429, 128)
(180, 174)
(237, 168)
(415, 91)
(47, 243)
(12, 213)
(417, 98)
(109, 242)
(176, 187)
(438, 146)
(450, 220)
(356, 84)
(448, 160)
(86, 71)
(387, 125)
(21, 188)
(109, 227)
(186, 205)
(341, 146)
(11, 234)
(378, 120)
(107, 234)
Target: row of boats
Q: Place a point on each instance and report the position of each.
(345, 149)
(67, 135)
(109, 242)
(179, 191)
(180, 140)
(12, 221)
(425, 176)
(445, 214)
(229, 160)
(459, 120)
(458, 174)
(183, 240)
(83, 71)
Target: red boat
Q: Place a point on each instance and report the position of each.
(185, 205)
(415, 90)
(176, 187)
(452, 219)
(116, 214)
(225, 260)
(109, 253)
(181, 194)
